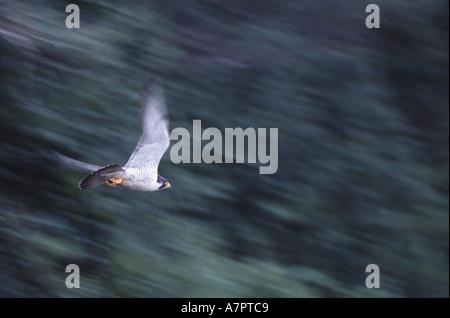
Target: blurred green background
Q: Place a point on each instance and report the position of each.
(363, 177)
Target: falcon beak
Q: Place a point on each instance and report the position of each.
(168, 186)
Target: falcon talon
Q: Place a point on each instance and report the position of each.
(116, 180)
(112, 182)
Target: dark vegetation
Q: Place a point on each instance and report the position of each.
(363, 177)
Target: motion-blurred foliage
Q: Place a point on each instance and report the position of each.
(363, 148)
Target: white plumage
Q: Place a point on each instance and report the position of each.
(141, 170)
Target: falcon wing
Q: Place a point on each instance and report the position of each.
(100, 176)
(155, 138)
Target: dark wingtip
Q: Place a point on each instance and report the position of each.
(151, 85)
(151, 82)
(83, 184)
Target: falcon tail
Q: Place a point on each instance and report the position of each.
(111, 175)
(76, 163)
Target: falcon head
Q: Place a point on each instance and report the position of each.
(163, 183)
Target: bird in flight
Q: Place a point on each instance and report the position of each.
(141, 171)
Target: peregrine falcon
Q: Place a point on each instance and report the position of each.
(141, 170)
